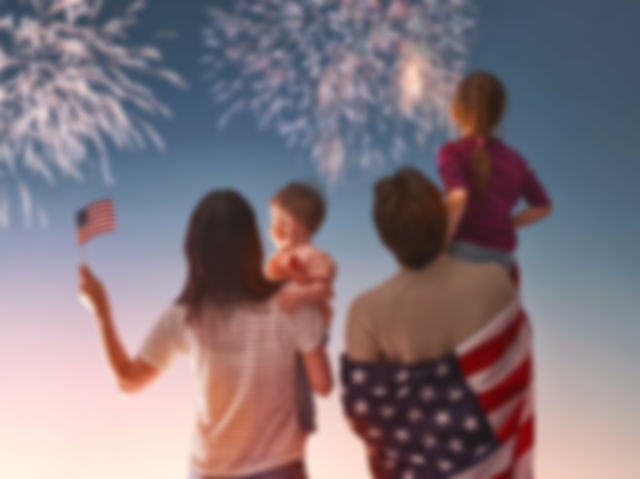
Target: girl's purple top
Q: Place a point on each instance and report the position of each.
(487, 220)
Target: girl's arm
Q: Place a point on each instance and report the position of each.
(131, 374)
(538, 199)
(456, 203)
(316, 365)
(531, 215)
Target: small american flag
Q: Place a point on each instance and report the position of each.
(95, 219)
(468, 415)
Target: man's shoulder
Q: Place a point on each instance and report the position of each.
(486, 279)
(371, 300)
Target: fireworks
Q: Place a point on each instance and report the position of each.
(70, 87)
(357, 79)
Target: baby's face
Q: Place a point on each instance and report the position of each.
(286, 230)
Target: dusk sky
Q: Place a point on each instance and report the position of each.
(572, 71)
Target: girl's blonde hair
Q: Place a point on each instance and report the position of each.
(478, 107)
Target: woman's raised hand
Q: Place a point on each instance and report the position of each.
(92, 292)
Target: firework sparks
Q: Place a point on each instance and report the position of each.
(357, 79)
(70, 88)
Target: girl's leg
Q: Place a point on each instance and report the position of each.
(479, 254)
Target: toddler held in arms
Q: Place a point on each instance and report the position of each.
(297, 212)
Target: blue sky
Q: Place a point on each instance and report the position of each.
(572, 72)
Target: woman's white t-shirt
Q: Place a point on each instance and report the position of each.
(245, 365)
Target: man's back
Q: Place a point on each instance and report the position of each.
(420, 315)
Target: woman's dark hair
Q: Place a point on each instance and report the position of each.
(410, 216)
(224, 255)
(478, 106)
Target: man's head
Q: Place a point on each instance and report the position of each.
(410, 217)
(297, 212)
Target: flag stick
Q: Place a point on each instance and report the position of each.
(83, 254)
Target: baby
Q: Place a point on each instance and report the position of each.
(297, 212)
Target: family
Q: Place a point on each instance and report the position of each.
(437, 370)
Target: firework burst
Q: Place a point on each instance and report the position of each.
(71, 87)
(357, 79)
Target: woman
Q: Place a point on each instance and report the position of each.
(431, 353)
(243, 346)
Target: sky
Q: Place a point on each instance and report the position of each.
(572, 75)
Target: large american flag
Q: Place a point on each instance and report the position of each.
(97, 218)
(468, 415)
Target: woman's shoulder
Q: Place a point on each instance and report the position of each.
(175, 312)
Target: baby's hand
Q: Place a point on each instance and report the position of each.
(296, 270)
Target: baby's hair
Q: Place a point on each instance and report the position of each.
(478, 106)
(303, 201)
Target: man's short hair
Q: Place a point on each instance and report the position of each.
(410, 216)
(304, 202)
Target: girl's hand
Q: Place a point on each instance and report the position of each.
(92, 291)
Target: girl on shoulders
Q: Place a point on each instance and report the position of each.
(485, 178)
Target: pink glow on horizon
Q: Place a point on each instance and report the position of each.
(62, 417)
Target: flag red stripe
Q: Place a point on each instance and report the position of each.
(490, 351)
(512, 424)
(104, 227)
(86, 231)
(100, 218)
(99, 222)
(101, 214)
(515, 383)
(525, 437)
(524, 442)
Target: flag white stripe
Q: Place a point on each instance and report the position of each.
(492, 465)
(489, 377)
(500, 415)
(524, 466)
(493, 328)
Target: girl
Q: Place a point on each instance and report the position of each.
(243, 345)
(485, 178)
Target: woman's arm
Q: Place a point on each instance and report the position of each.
(318, 369)
(274, 270)
(131, 374)
(531, 215)
(293, 296)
